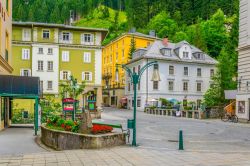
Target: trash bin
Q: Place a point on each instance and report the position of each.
(130, 124)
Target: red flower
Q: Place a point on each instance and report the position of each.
(101, 129)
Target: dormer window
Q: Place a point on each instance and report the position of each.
(199, 56)
(166, 52)
(185, 55)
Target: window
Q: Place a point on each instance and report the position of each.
(171, 70)
(186, 71)
(198, 103)
(122, 52)
(128, 86)
(25, 54)
(185, 86)
(138, 102)
(116, 56)
(170, 85)
(156, 66)
(66, 36)
(198, 86)
(199, 72)
(248, 85)
(199, 56)
(185, 55)
(40, 66)
(65, 75)
(40, 50)
(155, 85)
(26, 34)
(50, 51)
(211, 72)
(87, 38)
(25, 72)
(87, 57)
(45, 34)
(65, 56)
(49, 85)
(50, 65)
(87, 76)
(166, 52)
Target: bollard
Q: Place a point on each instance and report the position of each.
(180, 140)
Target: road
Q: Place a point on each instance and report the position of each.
(161, 132)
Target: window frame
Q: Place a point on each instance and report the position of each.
(46, 35)
(199, 88)
(25, 56)
(185, 88)
(87, 57)
(171, 73)
(199, 72)
(50, 66)
(155, 85)
(171, 89)
(65, 56)
(185, 72)
(48, 87)
(40, 66)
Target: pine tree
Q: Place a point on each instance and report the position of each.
(132, 47)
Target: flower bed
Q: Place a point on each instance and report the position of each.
(58, 123)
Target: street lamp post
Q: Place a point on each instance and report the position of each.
(73, 82)
(135, 78)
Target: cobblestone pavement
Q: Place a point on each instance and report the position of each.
(206, 143)
(127, 156)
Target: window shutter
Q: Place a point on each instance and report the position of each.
(23, 53)
(61, 75)
(91, 38)
(70, 37)
(69, 74)
(21, 72)
(83, 76)
(29, 73)
(60, 36)
(90, 76)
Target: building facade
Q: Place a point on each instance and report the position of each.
(183, 73)
(243, 95)
(116, 52)
(54, 52)
(5, 53)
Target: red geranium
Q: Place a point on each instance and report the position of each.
(101, 129)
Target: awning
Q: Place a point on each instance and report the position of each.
(123, 100)
(152, 100)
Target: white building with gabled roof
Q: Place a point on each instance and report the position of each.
(183, 73)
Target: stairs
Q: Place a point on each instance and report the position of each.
(230, 108)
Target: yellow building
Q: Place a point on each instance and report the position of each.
(116, 52)
(5, 53)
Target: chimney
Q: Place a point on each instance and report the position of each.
(152, 33)
(132, 30)
(165, 41)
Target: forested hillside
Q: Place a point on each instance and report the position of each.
(210, 25)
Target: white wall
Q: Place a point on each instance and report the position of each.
(46, 75)
(98, 67)
(178, 78)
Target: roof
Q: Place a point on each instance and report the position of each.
(20, 23)
(154, 52)
(19, 86)
(138, 34)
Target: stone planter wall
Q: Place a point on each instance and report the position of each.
(196, 114)
(62, 140)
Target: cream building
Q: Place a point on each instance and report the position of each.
(5, 53)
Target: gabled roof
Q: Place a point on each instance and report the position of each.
(154, 52)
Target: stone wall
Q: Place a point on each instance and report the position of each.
(62, 140)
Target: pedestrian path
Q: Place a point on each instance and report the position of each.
(125, 155)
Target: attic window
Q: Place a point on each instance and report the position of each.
(166, 52)
(185, 55)
(199, 56)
